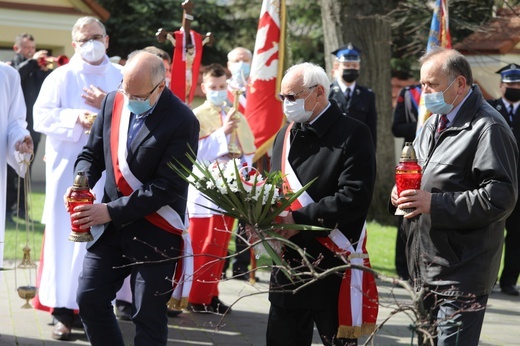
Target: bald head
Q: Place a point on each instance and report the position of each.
(144, 68)
(143, 75)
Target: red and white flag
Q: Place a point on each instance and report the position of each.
(264, 110)
(439, 37)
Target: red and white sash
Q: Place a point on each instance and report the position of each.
(358, 298)
(166, 217)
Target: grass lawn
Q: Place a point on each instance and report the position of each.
(19, 234)
(381, 239)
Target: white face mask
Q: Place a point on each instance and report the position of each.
(241, 67)
(216, 97)
(295, 111)
(92, 51)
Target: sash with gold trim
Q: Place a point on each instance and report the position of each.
(178, 75)
(165, 218)
(358, 297)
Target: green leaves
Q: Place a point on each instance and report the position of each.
(243, 193)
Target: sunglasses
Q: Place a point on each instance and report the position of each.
(292, 97)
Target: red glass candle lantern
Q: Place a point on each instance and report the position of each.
(408, 174)
(79, 195)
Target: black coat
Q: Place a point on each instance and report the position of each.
(167, 134)
(405, 115)
(338, 150)
(471, 172)
(362, 106)
(32, 77)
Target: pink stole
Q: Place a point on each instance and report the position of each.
(358, 298)
(165, 218)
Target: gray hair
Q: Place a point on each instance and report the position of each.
(157, 69)
(83, 21)
(19, 39)
(454, 64)
(235, 50)
(312, 74)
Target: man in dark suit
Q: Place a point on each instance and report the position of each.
(354, 100)
(27, 62)
(507, 105)
(322, 143)
(138, 224)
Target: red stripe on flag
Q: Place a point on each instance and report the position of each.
(264, 109)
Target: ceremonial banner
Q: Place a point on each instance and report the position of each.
(264, 111)
(439, 37)
(185, 65)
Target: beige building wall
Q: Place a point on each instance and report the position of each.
(50, 22)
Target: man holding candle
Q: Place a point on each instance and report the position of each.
(469, 186)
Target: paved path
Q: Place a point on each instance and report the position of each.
(244, 326)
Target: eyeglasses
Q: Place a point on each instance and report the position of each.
(292, 97)
(92, 38)
(138, 98)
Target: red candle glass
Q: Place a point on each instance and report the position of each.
(79, 195)
(408, 174)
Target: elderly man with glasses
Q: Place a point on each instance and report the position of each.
(320, 142)
(141, 220)
(63, 111)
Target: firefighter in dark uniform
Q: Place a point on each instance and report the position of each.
(354, 100)
(508, 106)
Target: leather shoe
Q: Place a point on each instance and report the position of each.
(219, 307)
(123, 310)
(61, 332)
(173, 312)
(509, 290)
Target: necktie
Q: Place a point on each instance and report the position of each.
(511, 113)
(443, 121)
(347, 95)
(136, 122)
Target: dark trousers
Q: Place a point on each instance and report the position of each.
(459, 321)
(242, 258)
(401, 265)
(511, 269)
(103, 276)
(294, 327)
(14, 202)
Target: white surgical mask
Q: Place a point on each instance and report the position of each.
(241, 67)
(92, 51)
(435, 103)
(216, 97)
(295, 111)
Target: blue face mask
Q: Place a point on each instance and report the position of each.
(139, 107)
(435, 103)
(216, 97)
(241, 67)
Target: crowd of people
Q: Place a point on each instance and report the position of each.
(123, 127)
